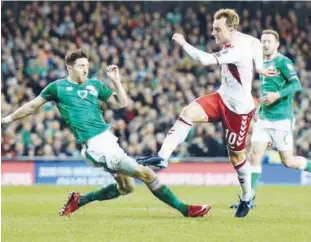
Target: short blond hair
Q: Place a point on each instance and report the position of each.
(232, 18)
(273, 32)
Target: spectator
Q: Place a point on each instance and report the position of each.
(159, 77)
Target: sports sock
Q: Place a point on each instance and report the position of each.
(109, 192)
(163, 193)
(244, 175)
(255, 177)
(177, 134)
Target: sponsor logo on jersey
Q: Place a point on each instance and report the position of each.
(69, 88)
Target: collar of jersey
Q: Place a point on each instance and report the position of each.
(76, 84)
(233, 41)
(277, 55)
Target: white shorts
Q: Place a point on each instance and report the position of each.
(104, 151)
(279, 133)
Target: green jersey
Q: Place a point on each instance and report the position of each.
(287, 81)
(79, 105)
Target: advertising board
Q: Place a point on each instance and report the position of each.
(70, 173)
(17, 173)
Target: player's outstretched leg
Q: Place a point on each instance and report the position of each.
(193, 113)
(176, 135)
(125, 185)
(163, 193)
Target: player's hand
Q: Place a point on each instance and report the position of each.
(113, 73)
(270, 98)
(179, 39)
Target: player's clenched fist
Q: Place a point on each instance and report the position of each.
(113, 72)
(179, 39)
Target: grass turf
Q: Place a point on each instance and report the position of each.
(30, 214)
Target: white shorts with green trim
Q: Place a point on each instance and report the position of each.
(104, 151)
(279, 133)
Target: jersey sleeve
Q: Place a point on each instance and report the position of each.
(49, 93)
(257, 54)
(228, 55)
(104, 92)
(288, 70)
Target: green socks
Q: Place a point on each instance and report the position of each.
(308, 167)
(165, 195)
(255, 177)
(109, 192)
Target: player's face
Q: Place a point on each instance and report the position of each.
(80, 70)
(221, 31)
(269, 44)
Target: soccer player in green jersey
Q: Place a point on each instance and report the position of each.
(275, 120)
(77, 99)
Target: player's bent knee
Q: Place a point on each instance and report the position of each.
(144, 174)
(186, 112)
(237, 157)
(126, 184)
(234, 160)
(129, 188)
(126, 167)
(192, 110)
(193, 113)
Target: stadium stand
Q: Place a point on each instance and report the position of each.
(160, 79)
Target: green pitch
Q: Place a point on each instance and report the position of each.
(30, 214)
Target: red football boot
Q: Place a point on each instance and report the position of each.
(71, 204)
(198, 210)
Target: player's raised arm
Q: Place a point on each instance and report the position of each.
(25, 110)
(119, 97)
(196, 54)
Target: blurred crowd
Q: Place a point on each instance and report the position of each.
(159, 77)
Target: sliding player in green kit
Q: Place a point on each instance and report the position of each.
(276, 117)
(77, 99)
